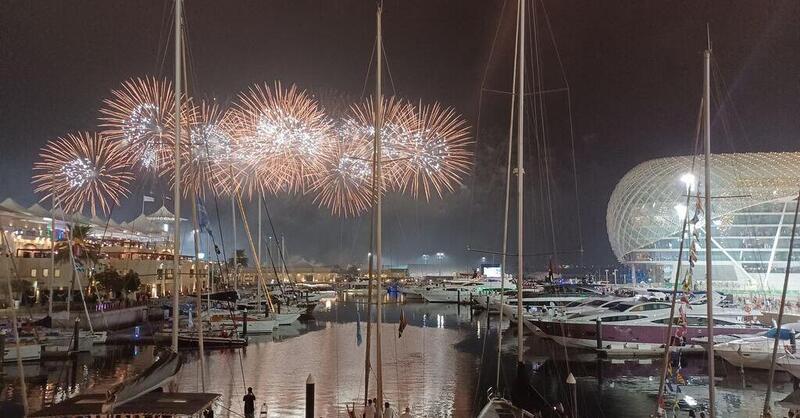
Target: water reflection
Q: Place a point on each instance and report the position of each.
(441, 366)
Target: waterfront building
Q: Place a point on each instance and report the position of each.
(143, 245)
(753, 203)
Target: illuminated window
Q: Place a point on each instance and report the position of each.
(57, 273)
(33, 272)
(45, 272)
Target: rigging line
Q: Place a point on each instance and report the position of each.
(164, 39)
(575, 176)
(274, 270)
(532, 93)
(722, 97)
(474, 166)
(538, 82)
(369, 68)
(504, 244)
(555, 45)
(280, 250)
(668, 344)
(5, 242)
(388, 70)
(571, 126)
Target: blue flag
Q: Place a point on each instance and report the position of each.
(359, 339)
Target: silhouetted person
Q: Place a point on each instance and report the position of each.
(249, 404)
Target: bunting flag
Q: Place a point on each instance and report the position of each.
(359, 339)
(403, 324)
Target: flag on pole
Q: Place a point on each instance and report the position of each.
(147, 198)
(403, 324)
(359, 339)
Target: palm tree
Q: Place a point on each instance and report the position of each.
(83, 250)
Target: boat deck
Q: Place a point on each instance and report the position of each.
(154, 403)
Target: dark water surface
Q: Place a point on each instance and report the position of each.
(441, 366)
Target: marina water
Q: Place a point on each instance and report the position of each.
(441, 366)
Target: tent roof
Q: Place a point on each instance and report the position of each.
(10, 205)
(37, 210)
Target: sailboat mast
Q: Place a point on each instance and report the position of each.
(235, 258)
(505, 220)
(378, 214)
(176, 255)
(520, 172)
(709, 285)
(51, 275)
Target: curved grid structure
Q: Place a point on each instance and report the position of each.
(644, 205)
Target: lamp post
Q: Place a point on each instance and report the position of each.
(606, 275)
(440, 257)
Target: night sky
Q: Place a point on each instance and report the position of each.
(634, 69)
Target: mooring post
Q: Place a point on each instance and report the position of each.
(310, 396)
(598, 328)
(574, 389)
(2, 351)
(244, 323)
(75, 335)
(459, 296)
(488, 323)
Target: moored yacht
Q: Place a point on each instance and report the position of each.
(640, 324)
(459, 291)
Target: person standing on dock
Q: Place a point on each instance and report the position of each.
(406, 413)
(389, 411)
(369, 410)
(249, 404)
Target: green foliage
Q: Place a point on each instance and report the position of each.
(111, 281)
(84, 250)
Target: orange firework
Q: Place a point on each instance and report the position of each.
(436, 155)
(281, 136)
(82, 169)
(345, 184)
(139, 116)
(206, 150)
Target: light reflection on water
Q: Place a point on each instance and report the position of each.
(435, 368)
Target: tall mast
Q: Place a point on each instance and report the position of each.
(176, 255)
(235, 258)
(505, 221)
(378, 214)
(51, 276)
(709, 285)
(520, 172)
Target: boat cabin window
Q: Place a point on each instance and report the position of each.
(599, 302)
(574, 304)
(650, 307)
(693, 321)
(619, 318)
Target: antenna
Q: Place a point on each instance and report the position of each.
(708, 36)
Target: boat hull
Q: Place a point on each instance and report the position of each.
(582, 335)
(28, 352)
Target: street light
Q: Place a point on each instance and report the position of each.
(689, 180)
(440, 257)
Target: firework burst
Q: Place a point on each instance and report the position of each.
(282, 135)
(345, 184)
(82, 169)
(436, 154)
(139, 116)
(206, 150)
